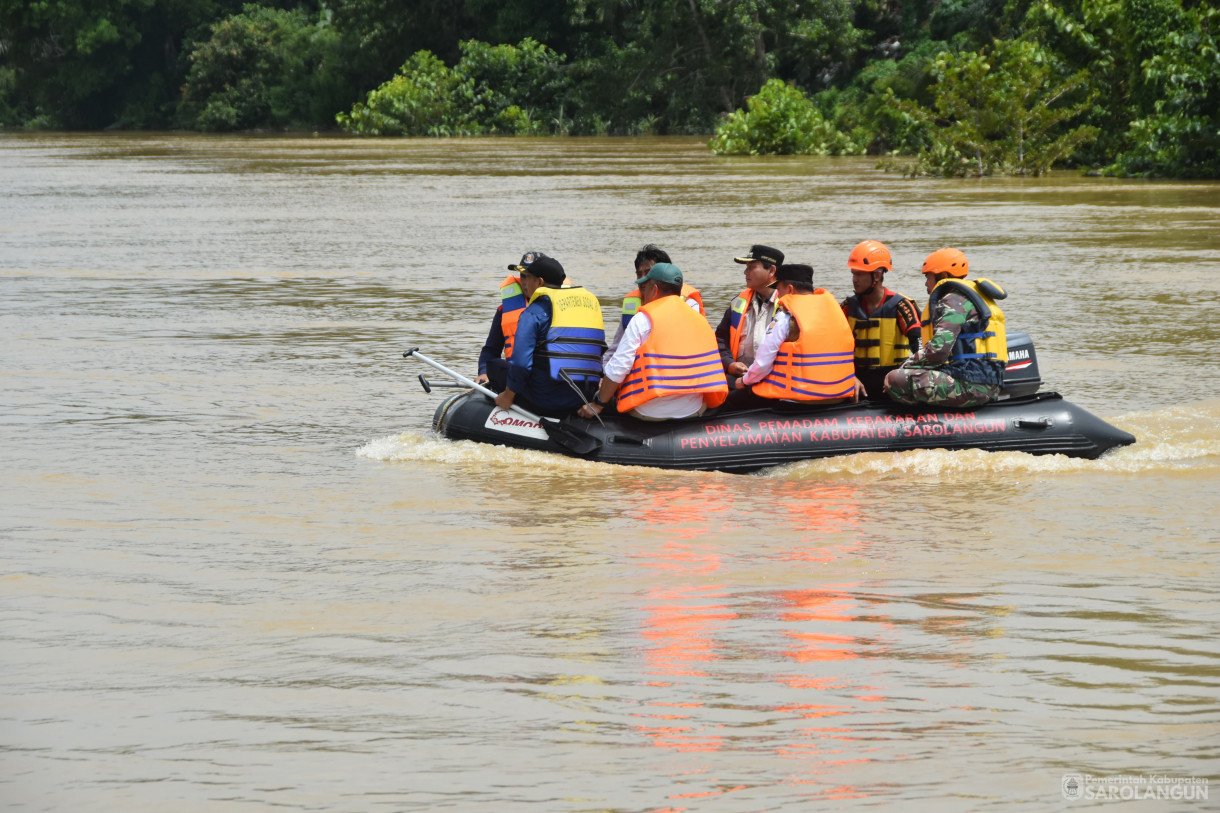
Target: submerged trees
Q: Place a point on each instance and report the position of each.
(502, 89)
(1003, 109)
(780, 120)
(967, 86)
(263, 68)
(1128, 87)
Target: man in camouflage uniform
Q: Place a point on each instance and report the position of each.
(935, 376)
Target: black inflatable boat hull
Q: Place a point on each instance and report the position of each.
(1043, 423)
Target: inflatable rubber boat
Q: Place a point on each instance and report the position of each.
(1023, 420)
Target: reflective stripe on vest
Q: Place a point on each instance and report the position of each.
(632, 302)
(819, 364)
(737, 312)
(989, 340)
(879, 342)
(576, 339)
(679, 357)
(512, 302)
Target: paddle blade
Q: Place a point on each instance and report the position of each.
(569, 437)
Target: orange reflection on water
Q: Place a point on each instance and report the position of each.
(687, 623)
(680, 626)
(681, 637)
(828, 517)
(690, 512)
(826, 604)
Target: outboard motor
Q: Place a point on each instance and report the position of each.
(1021, 375)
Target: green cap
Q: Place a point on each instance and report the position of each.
(663, 272)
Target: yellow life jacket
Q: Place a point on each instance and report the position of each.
(990, 340)
(879, 342)
(818, 365)
(512, 303)
(576, 338)
(632, 301)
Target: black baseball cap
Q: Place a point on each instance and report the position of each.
(527, 259)
(765, 254)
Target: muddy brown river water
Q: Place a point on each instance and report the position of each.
(239, 573)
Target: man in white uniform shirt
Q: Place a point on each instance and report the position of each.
(741, 331)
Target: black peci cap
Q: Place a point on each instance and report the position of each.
(795, 272)
(549, 269)
(765, 254)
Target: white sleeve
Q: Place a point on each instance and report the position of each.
(618, 337)
(764, 356)
(637, 331)
(694, 305)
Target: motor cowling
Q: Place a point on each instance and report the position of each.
(1021, 376)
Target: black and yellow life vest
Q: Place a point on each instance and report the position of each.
(989, 341)
(879, 342)
(576, 338)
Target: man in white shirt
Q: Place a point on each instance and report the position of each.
(829, 347)
(744, 325)
(667, 365)
(645, 259)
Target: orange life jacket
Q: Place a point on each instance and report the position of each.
(679, 357)
(512, 302)
(819, 364)
(737, 321)
(632, 301)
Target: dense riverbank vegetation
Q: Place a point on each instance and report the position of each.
(948, 87)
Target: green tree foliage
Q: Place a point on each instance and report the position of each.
(264, 68)
(1125, 85)
(424, 98)
(884, 106)
(95, 64)
(1182, 135)
(493, 89)
(780, 120)
(1145, 26)
(519, 89)
(1085, 33)
(1005, 110)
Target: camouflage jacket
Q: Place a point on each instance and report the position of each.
(953, 314)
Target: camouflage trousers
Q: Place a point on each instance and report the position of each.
(928, 387)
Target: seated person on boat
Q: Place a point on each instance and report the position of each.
(645, 259)
(745, 321)
(504, 322)
(807, 352)
(558, 345)
(886, 324)
(667, 364)
(965, 345)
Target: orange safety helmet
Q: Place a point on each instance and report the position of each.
(870, 255)
(946, 261)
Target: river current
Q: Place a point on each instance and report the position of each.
(240, 573)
